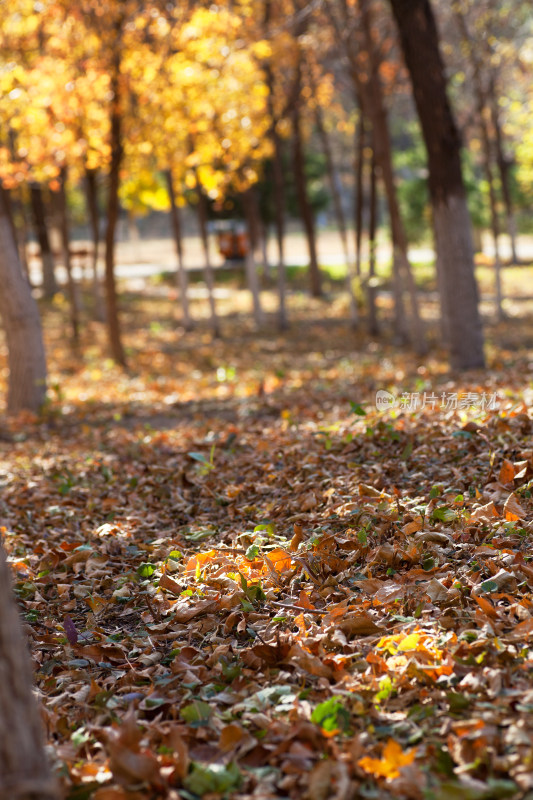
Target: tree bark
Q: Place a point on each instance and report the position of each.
(20, 316)
(303, 201)
(17, 217)
(503, 169)
(91, 192)
(339, 214)
(371, 101)
(208, 270)
(62, 213)
(373, 324)
(113, 321)
(182, 280)
(24, 769)
(251, 267)
(279, 188)
(481, 107)
(39, 220)
(373, 104)
(420, 45)
(359, 195)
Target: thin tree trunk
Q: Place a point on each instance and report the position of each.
(371, 101)
(279, 202)
(372, 97)
(279, 190)
(481, 107)
(91, 192)
(62, 213)
(420, 45)
(251, 267)
(259, 229)
(24, 770)
(20, 317)
(113, 322)
(339, 214)
(182, 280)
(332, 179)
(373, 324)
(303, 201)
(359, 196)
(39, 220)
(503, 169)
(208, 271)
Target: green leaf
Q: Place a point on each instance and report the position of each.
(198, 457)
(407, 450)
(267, 527)
(458, 702)
(489, 586)
(386, 688)
(252, 552)
(196, 713)
(80, 736)
(212, 778)
(198, 536)
(357, 409)
(443, 514)
(331, 715)
(362, 537)
(145, 570)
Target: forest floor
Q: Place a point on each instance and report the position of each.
(240, 578)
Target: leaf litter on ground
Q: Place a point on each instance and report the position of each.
(339, 605)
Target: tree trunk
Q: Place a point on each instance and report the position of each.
(20, 316)
(91, 192)
(208, 271)
(419, 41)
(62, 213)
(303, 201)
(24, 769)
(339, 214)
(332, 179)
(17, 217)
(279, 202)
(373, 102)
(251, 267)
(182, 280)
(373, 324)
(113, 322)
(359, 196)
(279, 192)
(41, 231)
(503, 169)
(481, 107)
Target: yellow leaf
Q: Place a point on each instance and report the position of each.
(390, 763)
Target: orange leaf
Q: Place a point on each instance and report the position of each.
(485, 605)
(297, 538)
(200, 559)
(513, 510)
(304, 600)
(166, 582)
(390, 763)
(506, 471)
(279, 560)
